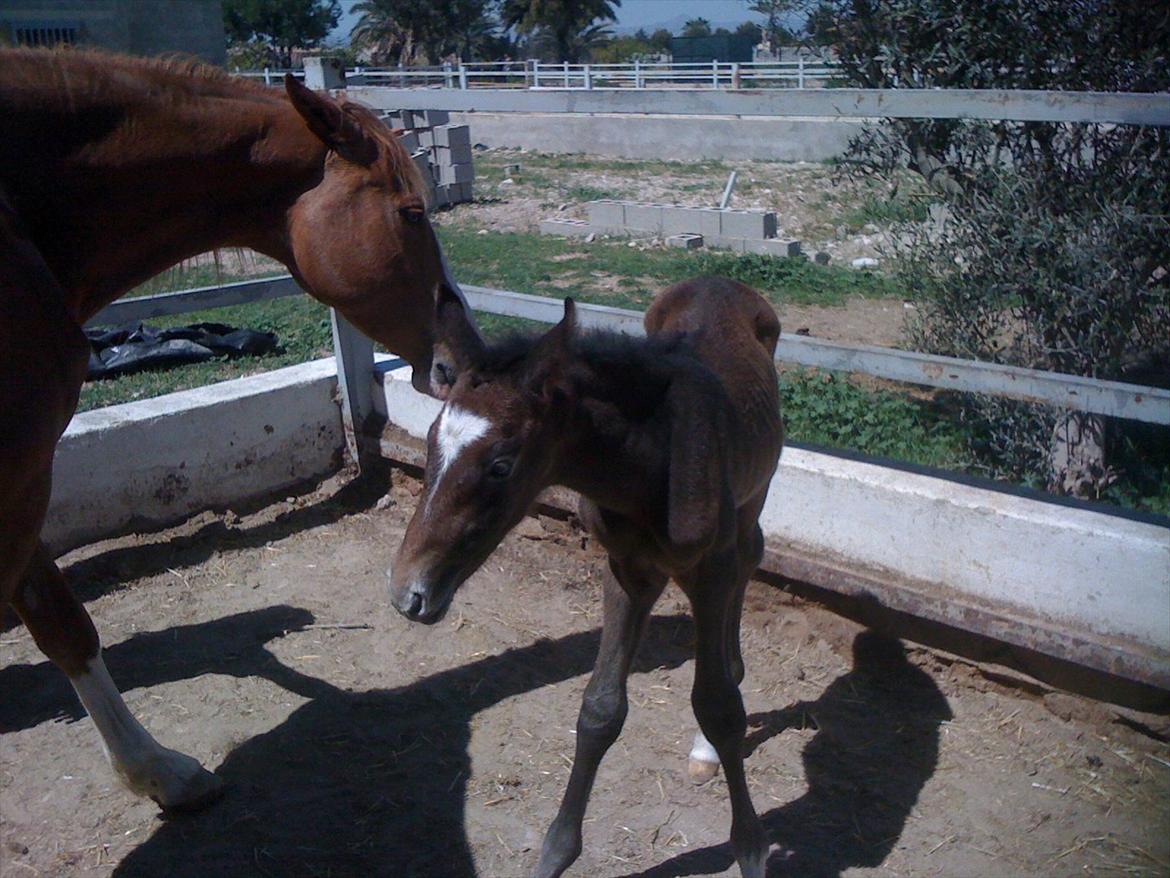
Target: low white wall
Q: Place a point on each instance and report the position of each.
(147, 464)
(677, 138)
(1098, 576)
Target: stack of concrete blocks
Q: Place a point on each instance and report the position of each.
(441, 151)
(744, 231)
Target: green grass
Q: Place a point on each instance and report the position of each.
(529, 264)
(823, 408)
(882, 210)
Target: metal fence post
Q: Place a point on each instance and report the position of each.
(800, 71)
(354, 354)
(267, 77)
(462, 76)
(446, 74)
(714, 74)
(565, 66)
(637, 73)
(735, 75)
(536, 73)
(588, 78)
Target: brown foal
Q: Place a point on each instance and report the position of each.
(672, 442)
(113, 169)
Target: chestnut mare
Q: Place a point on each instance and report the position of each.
(113, 169)
(672, 442)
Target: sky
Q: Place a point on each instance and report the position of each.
(631, 15)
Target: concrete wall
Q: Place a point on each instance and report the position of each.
(1078, 584)
(665, 137)
(137, 27)
(147, 464)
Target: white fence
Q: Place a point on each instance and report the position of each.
(536, 74)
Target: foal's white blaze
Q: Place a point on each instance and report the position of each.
(458, 428)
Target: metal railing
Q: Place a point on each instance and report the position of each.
(1110, 398)
(535, 74)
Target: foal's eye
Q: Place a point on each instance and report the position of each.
(412, 213)
(500, 468)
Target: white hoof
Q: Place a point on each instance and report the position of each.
(700, 772)
(704, 761)
(175, 781)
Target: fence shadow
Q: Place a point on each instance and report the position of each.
(366, 783)
(875, 747)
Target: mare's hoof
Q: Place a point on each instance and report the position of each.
(700, 772)
(207, 789)
(176, 782)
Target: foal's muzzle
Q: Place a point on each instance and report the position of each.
(421, 603)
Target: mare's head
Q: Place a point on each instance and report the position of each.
(360, 239)
(494, 447)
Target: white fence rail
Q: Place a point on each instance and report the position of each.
(800, 73)
(1110, 398)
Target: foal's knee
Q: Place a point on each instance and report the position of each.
(602, 716)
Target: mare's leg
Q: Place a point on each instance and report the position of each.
(64, 632)
(703, 763)
(715, 591)
(629, 596)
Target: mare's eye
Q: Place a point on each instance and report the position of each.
(500, 468)
(412, 213)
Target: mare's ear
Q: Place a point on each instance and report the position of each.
(458, 345)
(547, 373)
(337, 129)
(695, 485)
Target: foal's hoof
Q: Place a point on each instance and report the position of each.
(700, 772)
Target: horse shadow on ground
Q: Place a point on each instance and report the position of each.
(373, 783)
(875, 747)
(369, 783)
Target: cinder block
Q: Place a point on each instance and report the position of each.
(748, 224)
(452, 135)
(452, 155)
(680, 221)
(710, 222)
(723, 242)
(607, 215)
(422, 161)
(568, 227)
(772, 246)
(685, 241)
(467, 191)
(644, 217)
(409, 141)
(461, 173)
(440, 197)
(408, 119)
(435, 117)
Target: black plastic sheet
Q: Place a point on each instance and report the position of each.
(136, 346)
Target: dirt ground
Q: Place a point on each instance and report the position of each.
(357, 744)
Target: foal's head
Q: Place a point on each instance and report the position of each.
(491, 451)
(360, 238)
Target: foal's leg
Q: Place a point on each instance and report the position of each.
(628, 598)
(64, 632)
(703, 763)
(714, 593)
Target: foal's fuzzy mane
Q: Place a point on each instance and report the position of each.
(599, 349)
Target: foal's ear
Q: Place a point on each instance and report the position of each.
(548, 364)
(337, 129)
(458, 344)
(695, 484)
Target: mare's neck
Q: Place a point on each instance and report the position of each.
(160, 179)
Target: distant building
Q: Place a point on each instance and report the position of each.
(136, 27)
(716, 47)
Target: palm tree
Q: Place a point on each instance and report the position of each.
(569, 25)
